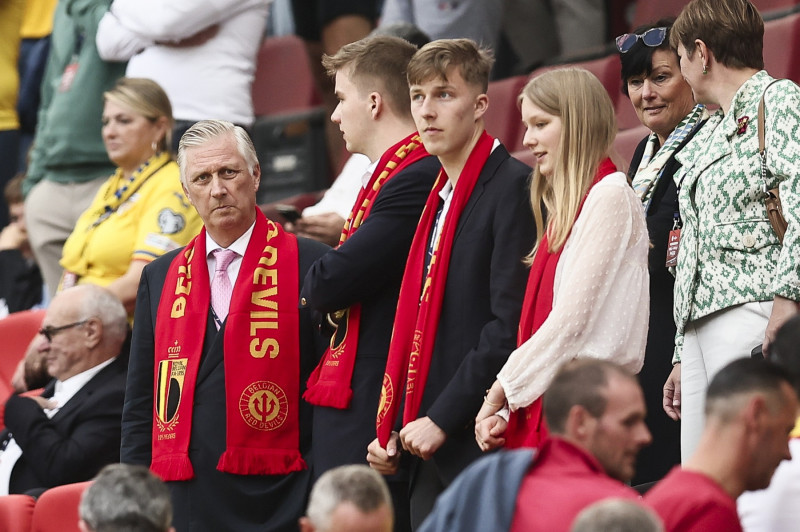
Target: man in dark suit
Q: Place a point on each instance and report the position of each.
(462, 290)
(362, 275)
(219, 337)
(72, 430)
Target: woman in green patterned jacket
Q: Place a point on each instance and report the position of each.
(735, 283)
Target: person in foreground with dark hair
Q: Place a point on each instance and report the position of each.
(750, 410)
(125, 498)
(595, 413)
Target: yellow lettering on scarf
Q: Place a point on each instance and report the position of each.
(270, 256)
(178, 307)
(183, 286)
(260, 348)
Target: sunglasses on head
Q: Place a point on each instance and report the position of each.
(652, 37)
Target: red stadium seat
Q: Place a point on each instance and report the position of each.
(526, 156)
(56, 509)
(648, 11)
(17, 330)
(502, 119)
(607, 69)
(782, 47)
(625, 144)
(16, 513)
(283, 81)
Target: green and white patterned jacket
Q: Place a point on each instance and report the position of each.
(729, 253)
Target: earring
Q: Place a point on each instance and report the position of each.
(705, 69)
(154, 145)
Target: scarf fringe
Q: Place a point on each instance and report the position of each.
(173, 467)
(331, 394)
(248, 461)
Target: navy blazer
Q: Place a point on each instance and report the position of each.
(73, 445)
(481, 308)
(213, 500)
(367, 268)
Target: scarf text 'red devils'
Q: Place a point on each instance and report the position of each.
(421, 296)
(526, 427)
(329, 384)
(262, 358)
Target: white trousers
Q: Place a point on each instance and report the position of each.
(710, 343)
(776, 508)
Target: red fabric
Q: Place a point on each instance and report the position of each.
(417, 318)
(563, 480)
(329, 383)
(526, 426)
(262, 358)
(690, 501)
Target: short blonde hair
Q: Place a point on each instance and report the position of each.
(588, 129)
(436, 58)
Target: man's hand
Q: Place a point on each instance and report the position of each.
(782, 310)
(422, 437)
(489, 432)
(44, 404)
(327, 228)
(672, 393)
(384, 461)
(13, 236)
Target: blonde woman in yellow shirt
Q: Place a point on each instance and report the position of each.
(140, 213)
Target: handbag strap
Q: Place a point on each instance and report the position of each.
(762, 150)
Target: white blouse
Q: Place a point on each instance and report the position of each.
(601, 295)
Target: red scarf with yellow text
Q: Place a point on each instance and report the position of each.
(420, 302)
(262, 358)
(329, 383)
(526, 427)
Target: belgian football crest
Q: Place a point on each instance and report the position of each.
(171, 374)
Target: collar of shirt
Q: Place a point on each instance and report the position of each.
(239, 246)
(368, 173)
(65, 390)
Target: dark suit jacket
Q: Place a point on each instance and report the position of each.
(657, 459)
(367, 269)
(213, 500)
(77, 441)
(481, 308)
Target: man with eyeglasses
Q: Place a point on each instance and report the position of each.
(70, 431)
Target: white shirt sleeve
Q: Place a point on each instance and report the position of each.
(115, 42)
(601, 296)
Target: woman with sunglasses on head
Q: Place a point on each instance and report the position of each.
(140, 212)
(587, 292)
(735, 283)
(651, 79)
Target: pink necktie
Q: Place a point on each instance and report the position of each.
(221, 288)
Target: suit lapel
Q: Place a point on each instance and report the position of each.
(496, 158)
(86, 391)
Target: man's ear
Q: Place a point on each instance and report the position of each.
(376, 104)
(579, 422)
(94, 331)
(257, 176)
(305, 525)
(481, 105)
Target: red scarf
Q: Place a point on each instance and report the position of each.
(262, 358)
(526, 426)
(329, 384)
(417, 317)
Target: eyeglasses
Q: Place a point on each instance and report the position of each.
(50, 332)
(652, 37)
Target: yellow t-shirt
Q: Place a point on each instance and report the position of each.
(38, 19)
(10, 20)
(154, 219)
(796, 431)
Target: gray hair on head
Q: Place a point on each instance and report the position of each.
(356, 484)
(616, 515)
(206, 130)
(126, 498)
(97, 302)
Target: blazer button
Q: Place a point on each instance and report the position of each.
(303, 302)
(749, 241)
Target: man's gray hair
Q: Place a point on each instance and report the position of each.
(206, 130)
(126, 498)
(616, 515)
(97, 302)
(356, 484)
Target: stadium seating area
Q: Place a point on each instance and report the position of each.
(284, 84)
(56, 510)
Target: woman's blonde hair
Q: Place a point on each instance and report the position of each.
(147, 98)
(588, 128)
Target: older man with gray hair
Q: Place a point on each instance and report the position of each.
(72, 430)
(220, 352)
(350, 498)
(125, 498)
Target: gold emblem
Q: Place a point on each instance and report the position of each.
(264, 406)
(387, 396)
(171, 374)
